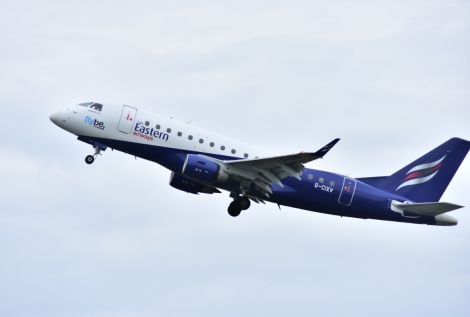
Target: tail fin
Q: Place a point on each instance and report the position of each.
(426, 179)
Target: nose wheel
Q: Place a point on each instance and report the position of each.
(90, 159)
(237, 205)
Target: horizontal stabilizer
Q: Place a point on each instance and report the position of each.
(427, 209)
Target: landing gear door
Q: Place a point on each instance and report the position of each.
(127, 119)
(347, 191)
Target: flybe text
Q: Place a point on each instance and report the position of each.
(94, 123)
(149, 134)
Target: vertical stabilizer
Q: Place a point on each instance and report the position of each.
(426, 179)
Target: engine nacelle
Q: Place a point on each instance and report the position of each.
(204, 169)
(185, 184)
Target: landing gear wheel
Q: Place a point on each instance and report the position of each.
(98, 148)
(237, 205)
(234, 209)
(244, 203)
(89, 159)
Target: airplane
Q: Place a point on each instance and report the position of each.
(203, 162)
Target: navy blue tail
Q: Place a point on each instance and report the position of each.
(426, 179)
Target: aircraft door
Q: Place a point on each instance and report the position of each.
(347, 191)
(127, 120)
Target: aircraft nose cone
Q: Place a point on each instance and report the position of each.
(54, 118)
(57, 118)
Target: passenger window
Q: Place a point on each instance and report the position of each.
(190, 137)
(310, 177)
(201, 141)
(147, 123)
(222, 147)
(157, 127)
(212, 144)
(234, 151)
(168, 130)
(180, 133)
(245, 155)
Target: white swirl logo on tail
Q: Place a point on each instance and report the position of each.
(421, 173)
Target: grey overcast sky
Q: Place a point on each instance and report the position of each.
(391, 78)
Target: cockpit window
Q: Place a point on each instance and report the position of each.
(92, 105)
(96, 106)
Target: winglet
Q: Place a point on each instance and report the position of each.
(321, 152)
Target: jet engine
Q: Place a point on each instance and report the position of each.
(185, 184)
(204, 169)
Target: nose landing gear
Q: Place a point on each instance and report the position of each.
(237, 205)
(89, 159)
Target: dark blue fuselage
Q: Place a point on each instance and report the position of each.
(317, 190)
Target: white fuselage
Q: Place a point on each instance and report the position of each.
(133, 125)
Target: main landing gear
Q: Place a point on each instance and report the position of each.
(89, 159)
(238, 204)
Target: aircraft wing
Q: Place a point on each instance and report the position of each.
(263, 172)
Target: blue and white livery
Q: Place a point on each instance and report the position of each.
(205, 162)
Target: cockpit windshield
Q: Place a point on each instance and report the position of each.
(92, 105)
